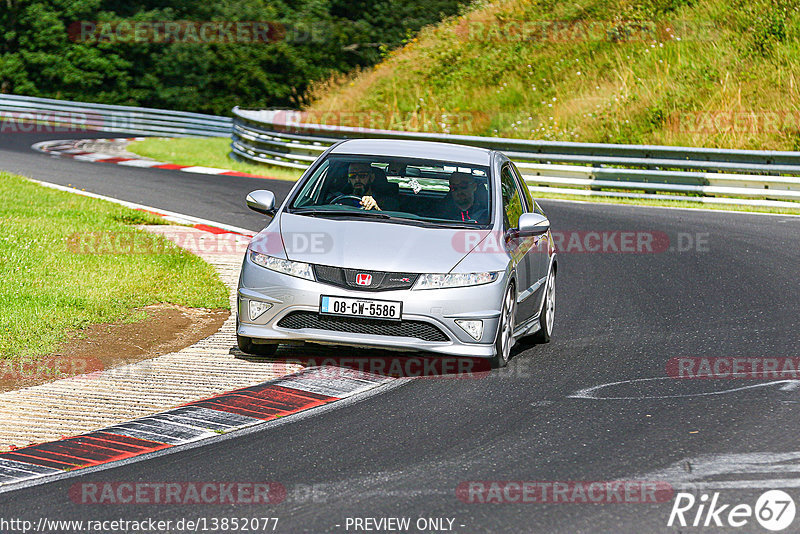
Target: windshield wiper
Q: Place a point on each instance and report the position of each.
(452, 224)
(414, 221)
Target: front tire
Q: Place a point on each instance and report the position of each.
(505, 330)
(247, 346)
(548, 316)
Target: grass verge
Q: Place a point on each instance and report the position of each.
(53, 285)
(205, 152)
(708, 73)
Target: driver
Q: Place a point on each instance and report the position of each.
(361, 177)
(464, 202)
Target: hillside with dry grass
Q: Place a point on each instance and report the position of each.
(710, 73)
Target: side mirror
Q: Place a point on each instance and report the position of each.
(262, 201)
(533, 224)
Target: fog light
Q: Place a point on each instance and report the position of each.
(257, 309)
(473, 328)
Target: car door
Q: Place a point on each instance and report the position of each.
(537, 255)
(513, 207)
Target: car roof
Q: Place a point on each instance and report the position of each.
(415, 149)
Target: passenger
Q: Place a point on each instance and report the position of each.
(465, 201)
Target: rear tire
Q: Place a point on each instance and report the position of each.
(548, 316)
(247, 346)
(505, 330)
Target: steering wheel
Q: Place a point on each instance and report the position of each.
(347, 200)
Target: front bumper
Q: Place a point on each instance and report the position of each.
(435, 307)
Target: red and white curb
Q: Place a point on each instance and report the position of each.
(218, 412)
(86, 150)
(190, 423)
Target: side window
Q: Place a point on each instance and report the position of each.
(312, 189)
(525, 191)
(512, 202)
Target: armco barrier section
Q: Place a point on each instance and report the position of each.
(279, 137)
(63, 115)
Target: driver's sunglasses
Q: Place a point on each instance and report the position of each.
(358, 175)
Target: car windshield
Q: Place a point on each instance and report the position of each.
(396, 189)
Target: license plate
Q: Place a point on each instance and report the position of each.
(350, 307)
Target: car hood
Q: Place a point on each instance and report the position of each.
(375, 245)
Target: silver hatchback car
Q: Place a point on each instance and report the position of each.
(404, 245)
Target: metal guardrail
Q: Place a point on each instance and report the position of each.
(279, 137)
(64, 115)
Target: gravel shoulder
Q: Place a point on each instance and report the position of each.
(109, 396)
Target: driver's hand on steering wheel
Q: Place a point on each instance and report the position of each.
(369, 203)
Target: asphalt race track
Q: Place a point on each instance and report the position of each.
(727, 286)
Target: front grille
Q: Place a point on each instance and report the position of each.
(414, 329)
(381, 281)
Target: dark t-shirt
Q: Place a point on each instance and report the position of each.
(447, 209)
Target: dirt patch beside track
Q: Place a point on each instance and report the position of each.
(166, 328)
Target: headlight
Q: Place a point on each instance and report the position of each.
(292, 268)
(442, 281)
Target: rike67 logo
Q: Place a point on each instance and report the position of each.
(774, 510)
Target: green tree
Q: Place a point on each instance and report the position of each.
(43, 54)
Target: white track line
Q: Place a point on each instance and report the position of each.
(168, 215)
